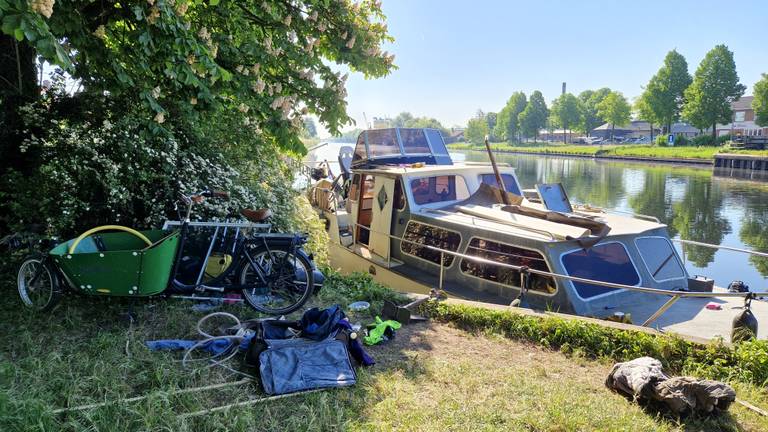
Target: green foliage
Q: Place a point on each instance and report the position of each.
(760, 102)
(507, 125)
(746, 361)
(185, 57)
(344, 290)
(709, 140)
(715, 86)
(662, 141)
(615, 109)
(664, 93)
(477, 129)
(349, 136)
(590, 118)
(406, 119)
(566, 112)
(534, 116)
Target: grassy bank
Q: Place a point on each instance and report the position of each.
(638, 150)
(433, 377)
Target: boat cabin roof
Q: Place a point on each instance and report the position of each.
(395, 146)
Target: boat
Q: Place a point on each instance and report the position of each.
(403, 211)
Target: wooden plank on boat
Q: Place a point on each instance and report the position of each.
(560, 231)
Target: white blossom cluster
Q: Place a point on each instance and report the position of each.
(42, 7)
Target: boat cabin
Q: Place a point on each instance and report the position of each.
(405, 206)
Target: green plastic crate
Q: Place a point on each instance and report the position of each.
(128, 267)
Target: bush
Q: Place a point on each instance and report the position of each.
(661, 141)
(344, 290)
(707, 140)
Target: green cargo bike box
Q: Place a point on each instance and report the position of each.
(119, 263)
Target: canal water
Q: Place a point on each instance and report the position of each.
(693, 202)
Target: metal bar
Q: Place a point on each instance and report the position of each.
(661, 310)
(442, 266)
(207, 255)
(573, 278)
(241, 225)
(730, 248)
(222, 299)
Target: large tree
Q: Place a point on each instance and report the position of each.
(715, 86)
(534, 116)
(566, 112)
(590, 118)
(402, 119)
(760, 102)
(477, 129)
(615, 110)
(665, 91)
(272, 59)
(507, 121)
(645, 111)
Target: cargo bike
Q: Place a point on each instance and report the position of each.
(271, 271)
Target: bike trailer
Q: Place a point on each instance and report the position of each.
(128, 263)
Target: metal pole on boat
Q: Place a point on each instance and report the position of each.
(499, 180)
(442, 266)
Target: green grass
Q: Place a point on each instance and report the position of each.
(432, 377)
(637, 150)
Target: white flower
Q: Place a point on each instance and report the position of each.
(313, 16)
(287, 20)
(160, 118)
(204, 35)
(255, 69)
(243, 108)
(193, 101)
(258, 86)
(344, 35)
(156, 92)
(351, 42)
(100, 32)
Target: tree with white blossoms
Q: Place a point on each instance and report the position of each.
(269, 59)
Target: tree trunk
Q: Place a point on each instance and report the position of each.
(651, 132)
(565, 128)
(714, 131)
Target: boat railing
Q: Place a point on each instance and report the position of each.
(712, 246)
(525, 272)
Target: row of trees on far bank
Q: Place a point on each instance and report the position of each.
(671, 95)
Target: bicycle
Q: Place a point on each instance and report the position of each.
(271, 270)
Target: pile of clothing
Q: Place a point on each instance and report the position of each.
(317, 351)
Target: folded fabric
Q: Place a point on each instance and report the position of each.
(215, 347)
(376, 334)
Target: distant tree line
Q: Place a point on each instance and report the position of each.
(672, 94)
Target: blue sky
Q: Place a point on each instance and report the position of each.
(457, 56)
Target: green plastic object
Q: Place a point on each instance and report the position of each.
(375, 335)
(125, 267)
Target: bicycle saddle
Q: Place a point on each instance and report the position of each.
(256, 216)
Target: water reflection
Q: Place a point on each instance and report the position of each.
(693, 203)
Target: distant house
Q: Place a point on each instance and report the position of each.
(557, 135)
(382, 122)
(633, 129)
(685, 130)
(743, 123)
(455, 135)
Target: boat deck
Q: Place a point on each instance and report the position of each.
(690, 317)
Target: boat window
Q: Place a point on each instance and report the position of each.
(607, 262)
(418, 234)
(509, 182)
(414, 141)
(359, 148)
(382, 142)
(399, 202)
(506, 254)
(438, 189)
(436, 141)
(660, 258)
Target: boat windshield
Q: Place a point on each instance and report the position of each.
(442, 188)
(660, 258)
(509, 182)
(607, 262)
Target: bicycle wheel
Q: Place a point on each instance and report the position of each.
(289, 279)
(38, 284)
